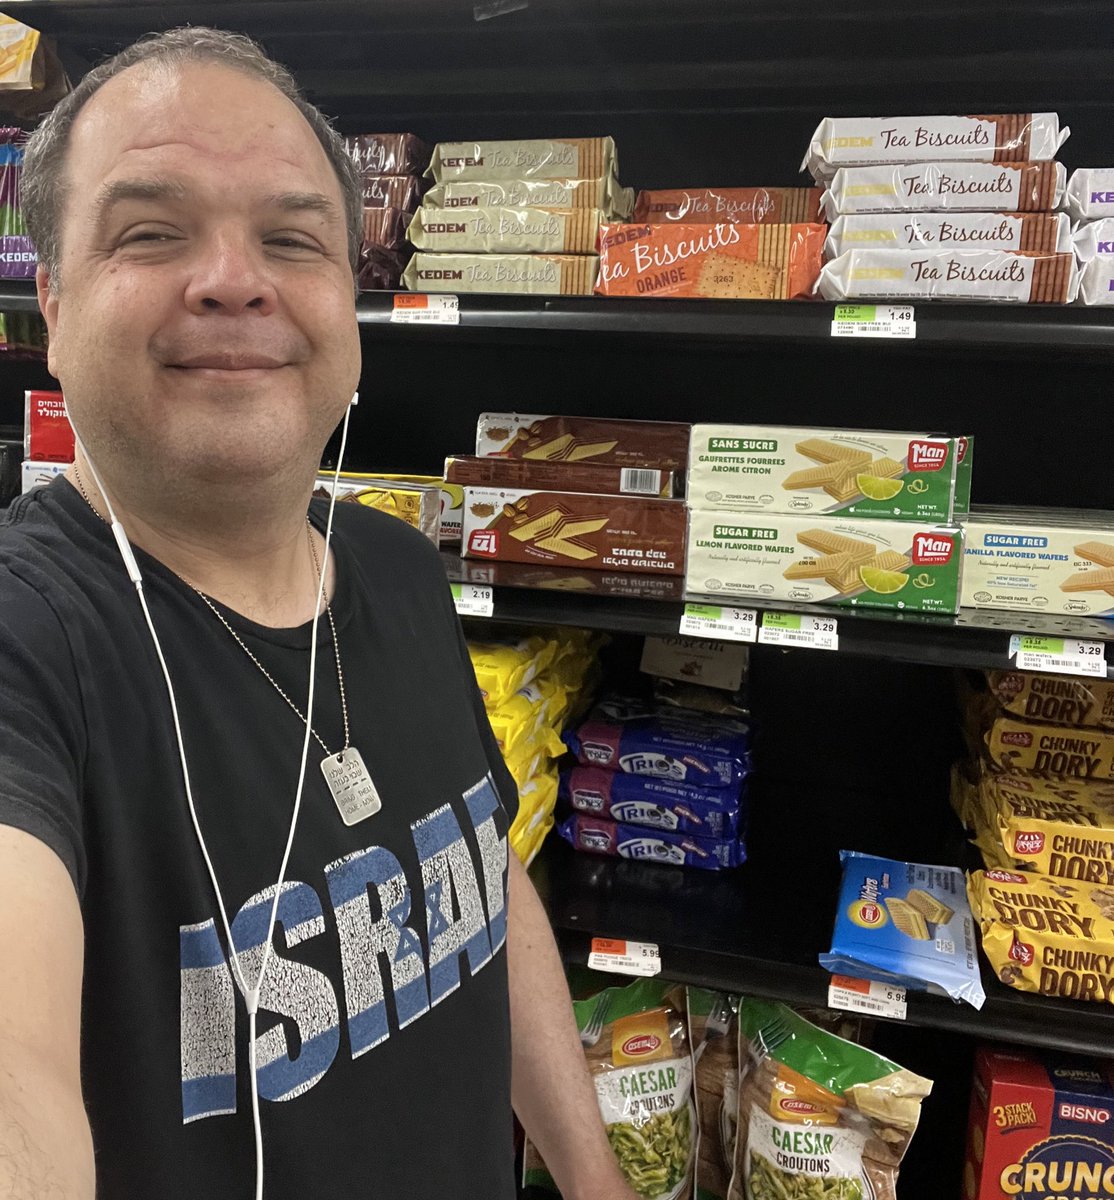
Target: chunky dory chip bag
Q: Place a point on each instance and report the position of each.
(636, 1044)
(820, 1118)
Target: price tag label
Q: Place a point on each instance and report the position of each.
(473, 600)
(874, 321)
(417, 308)
(791, 629)
(867, 996)
(1064, 656)
(713, 622)
(624, 958)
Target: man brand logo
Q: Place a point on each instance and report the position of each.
(1028, 843)
(1102, 197)
(738, 445)
(462, 162)
(927, 456)
(440, 274)
(1006, 877)
(462, 202)
(744, 533)
(485, 542)
(1023, 953)
(446, 227)
(1017, 738)
(932, 549)
(961, 448)
(640, 1044)
(1083, 1114)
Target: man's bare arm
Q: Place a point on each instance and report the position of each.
(46, 1151)
(552, 1092)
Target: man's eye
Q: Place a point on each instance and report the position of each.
(286, 241)
(145, 235)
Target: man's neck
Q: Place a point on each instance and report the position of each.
(257, 560)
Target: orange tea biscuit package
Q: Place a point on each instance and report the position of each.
(725, 261)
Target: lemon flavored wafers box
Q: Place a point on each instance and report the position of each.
(851, 563)
(784, 469)
(1041, 1124)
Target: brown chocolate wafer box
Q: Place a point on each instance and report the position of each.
(573, 529)
(603, 441)
(562, 477)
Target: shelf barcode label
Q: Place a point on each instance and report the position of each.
(716, 623)
(417, 308)
(473, 599)
(867, 996)
(640, 481)
(874, 320)
(624, 958)
(1063, 656)
(791, 629)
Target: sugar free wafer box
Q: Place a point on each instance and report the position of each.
(851, 563)
(787, 469)
(1033, 561)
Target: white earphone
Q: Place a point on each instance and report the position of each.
(250, 994)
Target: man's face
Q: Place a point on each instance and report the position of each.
(204, 329)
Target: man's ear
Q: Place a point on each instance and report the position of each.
(48, 306)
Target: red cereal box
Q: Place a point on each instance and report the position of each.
(47, 433)
(1042, 1125)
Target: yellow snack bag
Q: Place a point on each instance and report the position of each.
(536, 800)
(532, 754)
(503, 667)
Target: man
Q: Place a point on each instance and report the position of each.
(197, 224)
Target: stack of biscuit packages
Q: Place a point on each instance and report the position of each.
(1090, 202)
(944, 207)
(506, 216)
(531, 686)
(752, 243)
(1038, 794)
(390, 166)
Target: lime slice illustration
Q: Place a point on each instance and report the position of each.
(885, 583)
(875, 488)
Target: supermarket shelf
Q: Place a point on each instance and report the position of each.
(1034, 330)
(648, 604)
(759, 929)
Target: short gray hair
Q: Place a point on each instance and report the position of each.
(44, 186)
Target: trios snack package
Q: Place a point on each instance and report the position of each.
(655, 803)
(597, 836)
(1037, 233)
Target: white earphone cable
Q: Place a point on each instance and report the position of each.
(251, 995)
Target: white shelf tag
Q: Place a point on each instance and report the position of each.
(472, 600)
(624, 958)
(791, 629)
(418, 308)
(1062, 656)
(714, 622)
(874, 321)
(867, 996)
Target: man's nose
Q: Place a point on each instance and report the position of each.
(230, 275)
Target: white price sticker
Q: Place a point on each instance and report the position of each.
(472, 600)
(714, 622)
(789, 629)
(1063, 656)
(417, 308)
(624, 958)
(874, 321)
(867, 996)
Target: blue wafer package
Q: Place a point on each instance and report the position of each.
(666, 743)
(597, 836)
(655, 803)
(906, 923)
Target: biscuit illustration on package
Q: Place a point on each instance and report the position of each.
(661, 445)
(849, 564)
(1101, 579)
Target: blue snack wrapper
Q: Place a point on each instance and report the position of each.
(655, 803)
(667, 743)
(906, 923)
(597, 836)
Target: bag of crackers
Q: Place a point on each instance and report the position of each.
(819, 1117)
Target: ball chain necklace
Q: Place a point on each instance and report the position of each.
(346, 776)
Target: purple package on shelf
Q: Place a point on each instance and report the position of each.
(654, 803)
(17, 254)
(667, 743)
(597, 836)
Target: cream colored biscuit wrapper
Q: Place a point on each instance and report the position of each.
(863, 141)
(528, 274)
(506, 230)
(536, 158)
(1042, 232)
(999, 276)
(1090, 193)
(560, 194)
(946, 187)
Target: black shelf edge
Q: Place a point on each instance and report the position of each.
(750, 931)
(648, 604)
(1032, 330)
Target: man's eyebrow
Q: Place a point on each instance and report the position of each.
(120, 190)
(316, 202)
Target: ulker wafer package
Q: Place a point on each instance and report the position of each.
(905, 923)
(820, 1118)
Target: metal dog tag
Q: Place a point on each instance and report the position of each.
(351, 786)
